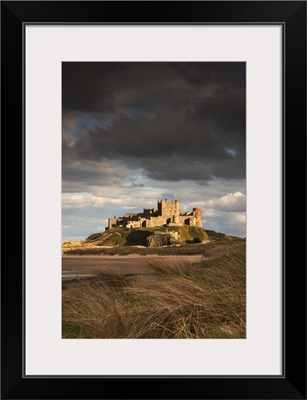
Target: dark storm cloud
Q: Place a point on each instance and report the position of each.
(104, 87)
(101, 86)
(172, 120)
(226, 74)
(84, 87)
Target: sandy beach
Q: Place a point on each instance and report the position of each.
(82, 266)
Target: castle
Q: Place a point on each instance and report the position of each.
(167, 214)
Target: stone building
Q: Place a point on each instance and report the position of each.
(167, 213)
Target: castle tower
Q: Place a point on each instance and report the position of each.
(168, 209)
(112, 222)
(176, 212)
(198, 216)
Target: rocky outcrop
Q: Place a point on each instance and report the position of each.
(158, 239)
(149, 237)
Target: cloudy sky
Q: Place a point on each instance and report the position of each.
(134, 133)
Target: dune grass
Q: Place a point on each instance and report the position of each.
(205, 300)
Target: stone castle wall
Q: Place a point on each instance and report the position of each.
(167, 213)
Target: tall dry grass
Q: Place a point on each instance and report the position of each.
(205, 300)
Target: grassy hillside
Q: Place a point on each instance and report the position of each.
(205, 300)
(117, 237)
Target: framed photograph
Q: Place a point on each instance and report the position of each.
(163, 181)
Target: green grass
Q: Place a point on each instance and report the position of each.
(191, 234)
(137, 237)
(124, 237)
(215, 235)
(198, 233)
(205, 300)
(115, 239)
(93, 237)
(75, 330)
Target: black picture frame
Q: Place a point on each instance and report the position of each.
(292, 16)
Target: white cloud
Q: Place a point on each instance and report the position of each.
(239, 218)
(230, 202)
(78, 224)
(87, 200)
(225, 213)
(230, 223)
(221, 212)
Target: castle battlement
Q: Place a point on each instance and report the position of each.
(167, 213)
